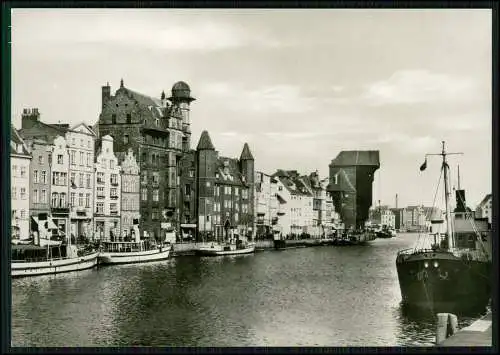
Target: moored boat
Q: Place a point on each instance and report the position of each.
(132, 252)
(35, 260)
(454, 273)
(226, 248)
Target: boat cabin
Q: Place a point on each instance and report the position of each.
(36, 253)
(127, 247)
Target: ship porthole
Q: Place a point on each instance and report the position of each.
(426, 264)
(436, 264)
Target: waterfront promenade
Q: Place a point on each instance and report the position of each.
(478, 333)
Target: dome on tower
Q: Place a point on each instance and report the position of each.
(181, 90)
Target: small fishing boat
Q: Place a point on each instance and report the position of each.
(51, 258)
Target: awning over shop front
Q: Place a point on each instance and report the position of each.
(50, 222)
(280, 199)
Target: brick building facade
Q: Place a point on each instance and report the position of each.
(158, 133)
(217, 192)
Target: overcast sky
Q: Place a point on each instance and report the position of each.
(298, 85)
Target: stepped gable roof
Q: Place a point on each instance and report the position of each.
(205, 143)
(246, 154)
(357, 158)
(228, 170)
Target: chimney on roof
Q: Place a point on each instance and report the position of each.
(29, 117)
(106, 94)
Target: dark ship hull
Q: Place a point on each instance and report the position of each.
(448, 284)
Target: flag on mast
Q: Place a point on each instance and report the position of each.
(424, 165)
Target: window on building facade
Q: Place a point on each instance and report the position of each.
(14, 170)
(80, 199)
(23, 193)
(244, 208)
(113, 118)
(236, 191)
(62, 200)
(144, 177)
(72, 198)
(23, 171)
(89, 155)
(113, 208)
(154, 215)
(129, 118)
(55, 198)
(156, 177)
(43, 197)
(100, 177)
(80, 180)
(82, 158)
(35, 196)
(191, 173)
(244, 193)
(236, 218)
(100, 207)
(100, 192)
(114, 179)
(88, 181)
(187, 190)
(44, 177)
(125, 139)
(40, 159)
(35, 176)
(23, 214)
(60, 159)
(113, 192)
(156, 195)
(111, 164)
(144, 194)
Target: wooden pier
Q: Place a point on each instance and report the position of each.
(478, 333)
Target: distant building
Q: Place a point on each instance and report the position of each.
(483, 210)
(351, 179)
(388, 219)
(218, 192)
(130, 194)
(20, 160)
(398, 218)
(108, 191)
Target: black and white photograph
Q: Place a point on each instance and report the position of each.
(250, 177)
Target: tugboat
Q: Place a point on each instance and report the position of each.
(454, 274)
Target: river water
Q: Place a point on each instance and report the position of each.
(318, 296)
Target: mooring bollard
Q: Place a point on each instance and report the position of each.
(447, 325)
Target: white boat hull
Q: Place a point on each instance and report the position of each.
(134, 257)
(219, 251)
(21, 269)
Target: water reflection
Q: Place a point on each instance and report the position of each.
(323, 296)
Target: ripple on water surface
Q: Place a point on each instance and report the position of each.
(322, 296)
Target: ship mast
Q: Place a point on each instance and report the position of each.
(447, 198)
(447, 193)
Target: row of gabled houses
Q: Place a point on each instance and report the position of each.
(68, 182)
(135, 166)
